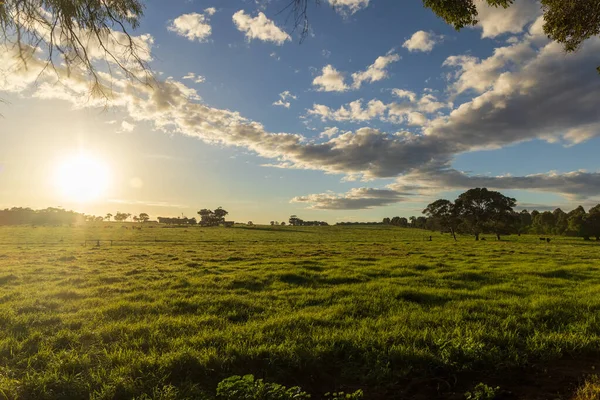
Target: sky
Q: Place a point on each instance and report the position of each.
(382, 109)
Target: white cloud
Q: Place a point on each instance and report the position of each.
(354, 111)
(407, 112)
(195, 78)
(330, 80)
(495, 21)
(422, 41)
(283, 97)
(126, 127)
(346, 7)
(376, 71)
(552, 96)
(401, 93)
(193, 26)
(480, 75)
(330, 132)
(259, 27)
(416, 119)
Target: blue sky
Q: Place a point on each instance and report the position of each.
(380, 110)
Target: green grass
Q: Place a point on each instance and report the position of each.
(169, 313)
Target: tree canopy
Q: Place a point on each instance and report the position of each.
(75, 33)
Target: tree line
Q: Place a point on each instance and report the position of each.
(482, 211)
(47, 216)
(295, 221)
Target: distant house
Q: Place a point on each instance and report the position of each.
(228, 224)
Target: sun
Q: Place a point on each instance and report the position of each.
(82, 178)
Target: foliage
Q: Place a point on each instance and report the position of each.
(246, 388)
(445, 214)
(482, 392)
(76, 31)
(344, 396)
(212, 218)
(295, 221)
(590, 389)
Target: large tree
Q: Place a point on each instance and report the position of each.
(444, 214)
(568, 22)
(482, 210)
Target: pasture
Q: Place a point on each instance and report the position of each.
(167, 313)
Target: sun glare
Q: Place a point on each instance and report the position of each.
(82, 178)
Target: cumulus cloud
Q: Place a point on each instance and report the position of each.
(422, 41)
(401, 93)
(495, 21)
(259, 27)
(354, 111)
(348, 7)
(551, 96)
(283, 99)
(193, 26)
(329, 132)
(375, 72)
(330, 80)
(410, 112)
(194, 78)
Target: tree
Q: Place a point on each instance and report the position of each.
(568, 22)
(544, 222)
(79, 31)
(444, 214)
(144, 217)
(295, 221)
(386, 221)
(108, 216)
(593, 221)
(205, 216)
(522, 222)
(219, 215)
(482, 210)
(561, 223)
(119, 216)
(212, 218)
(578, 224)
(413, 222)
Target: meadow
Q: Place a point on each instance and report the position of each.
(168, 313)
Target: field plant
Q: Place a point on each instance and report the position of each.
(168, 313)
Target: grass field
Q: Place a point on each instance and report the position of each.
(167, 313)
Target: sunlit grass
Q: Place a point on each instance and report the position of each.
(323, 308)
